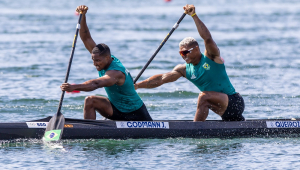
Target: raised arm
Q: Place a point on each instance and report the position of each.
(211, 48)
(84, 31)
(160, 79)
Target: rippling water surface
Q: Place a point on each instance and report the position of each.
(259, 41)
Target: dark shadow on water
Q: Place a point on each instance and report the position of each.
(108, 146)
(218, 149)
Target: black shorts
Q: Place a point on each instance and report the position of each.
(234, 109)
(138, 115)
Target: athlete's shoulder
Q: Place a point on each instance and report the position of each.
(217, 59)
(181, 69)
(115, 74)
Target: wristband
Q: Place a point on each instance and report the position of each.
(193, 14)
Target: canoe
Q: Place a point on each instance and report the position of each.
(108, 129)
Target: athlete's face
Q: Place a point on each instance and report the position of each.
(100, 61)
(189, 54)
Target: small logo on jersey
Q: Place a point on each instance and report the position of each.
(193, 76)
(206, 66)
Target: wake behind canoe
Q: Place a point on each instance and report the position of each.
(107, 129)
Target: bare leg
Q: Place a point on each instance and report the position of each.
(99, 103)
(215, 101)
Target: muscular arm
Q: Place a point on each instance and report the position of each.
(84, 31)
(211, 48)
(160, 79)
(110, 78)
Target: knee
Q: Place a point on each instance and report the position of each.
(88, 101)
(203, 98)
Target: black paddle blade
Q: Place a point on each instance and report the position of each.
(54, 128)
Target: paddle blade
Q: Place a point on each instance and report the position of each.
(54, 128)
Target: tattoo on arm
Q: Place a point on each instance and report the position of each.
(86, 31)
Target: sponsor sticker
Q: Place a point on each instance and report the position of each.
(68, 126)
(283, 124)
(134, 124)
(37, 124)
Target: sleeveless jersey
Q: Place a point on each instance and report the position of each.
(208, 75)
(124, 97)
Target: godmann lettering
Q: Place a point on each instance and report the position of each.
(133, 124)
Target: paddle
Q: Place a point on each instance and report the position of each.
(56, 124)
(160, 46)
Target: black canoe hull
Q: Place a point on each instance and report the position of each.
(106, 129)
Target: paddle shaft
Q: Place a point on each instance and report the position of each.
(160, 46)
(69, 66)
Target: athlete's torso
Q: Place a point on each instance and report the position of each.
(123, 97)
(208, 75)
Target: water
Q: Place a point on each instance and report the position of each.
(259, 41)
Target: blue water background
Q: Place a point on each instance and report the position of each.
(259, 41)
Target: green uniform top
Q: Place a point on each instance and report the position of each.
(124, 97)
(208, 75)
